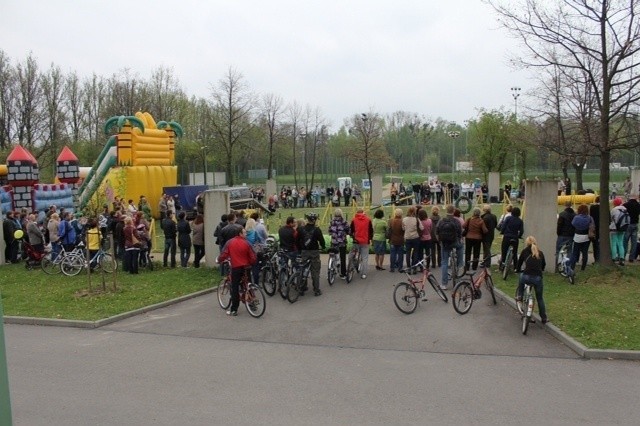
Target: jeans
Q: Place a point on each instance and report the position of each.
(315, 266)
(425, 250)
(472, 247)
(436, 254)
(169, 247)
(446, 252)
(413, 251)
(185, 253)
(631, 234)
(486, 251)
(580, 249)
(198, 251)
(536, 281)
(364, 257)
(131, 260)
(395, 258)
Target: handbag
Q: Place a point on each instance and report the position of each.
(135, 241)
(592, 230)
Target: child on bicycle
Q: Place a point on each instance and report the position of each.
(531, 263)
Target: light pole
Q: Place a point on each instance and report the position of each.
(453, 135)
(466, 140)
(204, 160)
(515, 92)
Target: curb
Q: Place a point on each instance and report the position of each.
(105, 321)
(570, 342)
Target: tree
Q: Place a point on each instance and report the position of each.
(75, 112)
(7, 100)
(271, 112)
(232, 120)
(491, 141)
(29, 102)
(367, 151)
(599, 38)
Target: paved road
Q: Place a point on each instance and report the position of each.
(346, 357)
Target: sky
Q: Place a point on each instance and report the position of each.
(438, 59)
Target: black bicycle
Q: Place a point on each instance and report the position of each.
(298, 281)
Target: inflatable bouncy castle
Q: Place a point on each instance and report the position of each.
(138, 160)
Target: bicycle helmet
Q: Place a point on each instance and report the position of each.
(311, 217)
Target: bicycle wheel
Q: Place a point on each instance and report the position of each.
(256, 301)
(107, 263)
(331, 271)
(488, 283)
(267, 280)
(293, 291)
(350, 269)
(462, 297)
(436, 287)
(49, 266)
(405, 298)
(507, 264)
(283, 277)
(224, 293)
(526, 318)
(72, 265)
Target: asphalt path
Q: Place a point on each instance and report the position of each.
(346, 357)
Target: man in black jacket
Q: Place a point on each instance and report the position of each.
(491, 221)
(11, 246)
(170, 232)
(564, 229)
(631, 234)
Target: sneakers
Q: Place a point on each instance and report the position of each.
(232, 313)
(317, 292)
(443, 287)
(363, 276)
(519, 305)
(343, 277)
(545, 320)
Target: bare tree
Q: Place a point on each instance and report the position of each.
(94, 91)
(73, 106)
(271, 111)
(600, 38)
(53, 85)
(29, 102)
(368, 151)
(294, 113)
(232, 119)
(164, 94)
(7, 100)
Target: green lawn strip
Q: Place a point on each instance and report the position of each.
(601, 310)
(35, 294)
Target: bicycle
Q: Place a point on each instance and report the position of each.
(251, 295)
(507, 265)
(285, 270)
(298, 280)
(353, 262)
(525, 307)
(454, 272)
(564, 263)
(468, 290)
(52, 266)
(407, 294)
(333, 265)
(270, 271)
(73, 263)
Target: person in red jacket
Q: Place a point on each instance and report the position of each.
(242, 256)
(362, 233)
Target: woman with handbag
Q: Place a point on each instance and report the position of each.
(473, 231)
(581, 222)
(131, 246)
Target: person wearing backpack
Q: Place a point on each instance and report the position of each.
(512, 230)
(617, 227)
(564, 229)
(631, 234)
(449, 233)
(581, 223)
(309, 240)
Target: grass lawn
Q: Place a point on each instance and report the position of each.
(36, 294)
(601, 311)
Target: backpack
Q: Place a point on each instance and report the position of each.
(623, 221)
(308, 238)
(447, 232)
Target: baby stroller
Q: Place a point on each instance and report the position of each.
(32, 256)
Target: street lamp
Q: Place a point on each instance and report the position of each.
(515, 92)
(204, 159)
(453, 135)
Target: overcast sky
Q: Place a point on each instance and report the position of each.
(435, 58)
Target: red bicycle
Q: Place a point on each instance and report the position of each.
(251, 295)
(407, 294)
